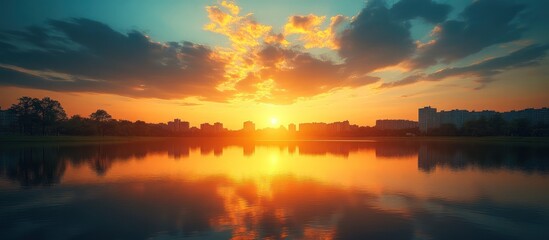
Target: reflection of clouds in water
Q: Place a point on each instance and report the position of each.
(273, 203)
(217, 206)
(45, 164)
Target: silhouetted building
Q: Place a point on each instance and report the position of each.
(249, 126)
(206, 127)
(209, 128)
(218, 127)
(178, 126)
(184, 126)
(292, 128)
(326, 128)
(456, 117)
(394, 124)
(429, 118)
(533, 115)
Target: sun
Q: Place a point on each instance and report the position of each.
(274, 121)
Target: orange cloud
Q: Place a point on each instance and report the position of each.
(303, 24)
(244, 34)
(309, 27)
(262, 68)
(289, 74)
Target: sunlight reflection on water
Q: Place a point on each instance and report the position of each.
(245, 190)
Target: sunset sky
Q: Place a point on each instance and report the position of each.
(293, 61)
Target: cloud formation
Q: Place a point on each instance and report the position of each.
(88, 56)
(309, 29)
(264, 63)
(485, 23)
(428, 10)
(375, 39)
(483, 71)
(298, 74)
(264, 67)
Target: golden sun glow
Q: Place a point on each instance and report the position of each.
(274, 121)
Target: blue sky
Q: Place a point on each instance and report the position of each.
(174, 20)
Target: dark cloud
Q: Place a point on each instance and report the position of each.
(375, 39)
(485, 70)
(485, 23)
(89, 56)
(405, 81)
(428, 10)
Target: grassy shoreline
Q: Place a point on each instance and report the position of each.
(120, 139)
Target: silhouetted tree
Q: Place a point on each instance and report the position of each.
(49, 112)
(496, 125)
(26, 113)
(447, 129)
(101, 117)
(520, 127)
(33, 111)
(477, 127)
(78, 125)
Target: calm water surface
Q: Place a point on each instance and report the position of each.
(275, 190)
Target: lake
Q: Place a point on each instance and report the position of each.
(197, 189)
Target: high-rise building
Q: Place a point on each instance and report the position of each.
(184, 126)
(206, 127)
(249, 126)
(533, 115)
(212, 128)
(292, 128)
(218, 127)
(428, 118)
(178, 126)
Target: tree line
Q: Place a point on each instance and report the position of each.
(46, 116)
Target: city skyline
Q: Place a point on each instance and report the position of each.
(534, 115)
(428, 117)
(264, 62)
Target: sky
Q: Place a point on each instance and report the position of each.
(293, 61)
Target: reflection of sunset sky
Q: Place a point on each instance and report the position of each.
(360, 170)
(270, 190)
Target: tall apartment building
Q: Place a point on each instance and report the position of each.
(429, 118)
(178, 126)
(292, 128)
(248, 126)
(211, 128)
